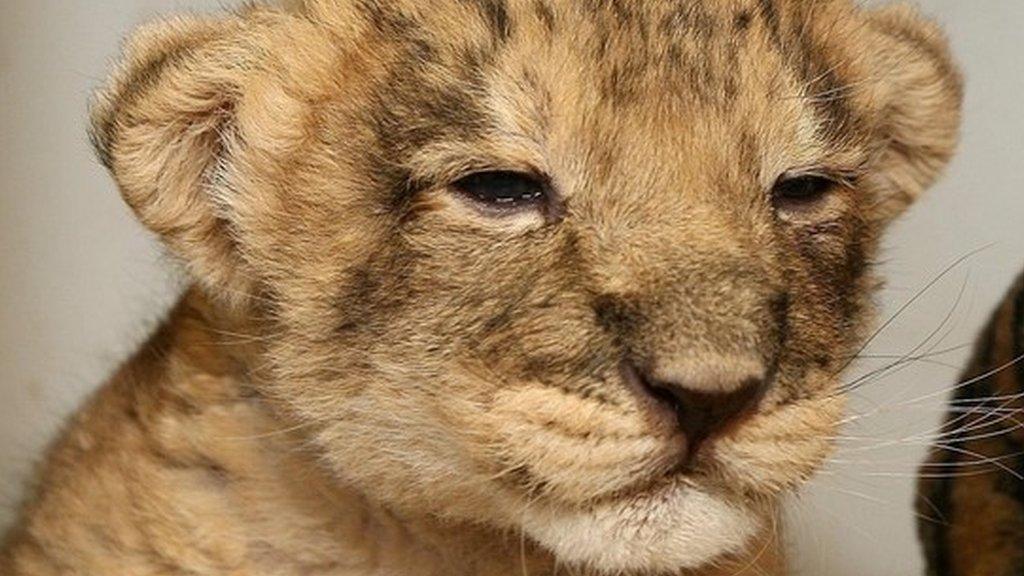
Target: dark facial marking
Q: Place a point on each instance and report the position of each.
(545, 14)
(386, 21)
(766, 9)
(741, 22)
(495, 13)
(376, 290)
(826, 93)
(623, 82)
(816, 67)
(617, 316)
(620, 9)
(688, 19)
(749, 154)
(413, 108)
(779, 306)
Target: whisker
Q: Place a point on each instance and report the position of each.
(920, 399)
(994, 419)
(928, 465)
(909, 303)
(994, 461)
(912, 353)
(927, 500)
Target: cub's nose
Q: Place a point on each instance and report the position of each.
(701, 413)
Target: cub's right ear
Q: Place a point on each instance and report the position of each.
(163, 126)
(921, 91)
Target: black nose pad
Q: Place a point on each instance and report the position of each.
(702, 414)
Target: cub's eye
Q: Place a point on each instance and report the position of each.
(504, 189)
(800, 191)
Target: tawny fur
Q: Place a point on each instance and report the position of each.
(372, 374)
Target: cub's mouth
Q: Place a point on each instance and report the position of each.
(632, 487)
(579, 451)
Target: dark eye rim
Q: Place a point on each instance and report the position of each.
(504, 189)
(801, 189)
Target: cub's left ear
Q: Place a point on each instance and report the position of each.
(920, 90)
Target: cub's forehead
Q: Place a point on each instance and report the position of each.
(641, 35)
(465, 71)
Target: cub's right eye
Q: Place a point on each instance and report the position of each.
(503, 189)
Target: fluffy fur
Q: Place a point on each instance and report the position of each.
(372, 374)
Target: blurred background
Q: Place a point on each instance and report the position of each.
(81, 284)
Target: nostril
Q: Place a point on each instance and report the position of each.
(702, 414)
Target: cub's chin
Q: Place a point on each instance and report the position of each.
(673, 527)
(684, 522)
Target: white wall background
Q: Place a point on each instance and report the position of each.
(81, 284)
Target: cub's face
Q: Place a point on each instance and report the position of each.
(584, 270)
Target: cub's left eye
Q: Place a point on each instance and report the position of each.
(801, 190)
(503, 189)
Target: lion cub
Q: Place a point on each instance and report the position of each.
(490, 287)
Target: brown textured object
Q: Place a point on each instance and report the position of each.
(971, 493)
(425, 237)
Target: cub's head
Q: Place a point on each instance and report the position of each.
(586, 271)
